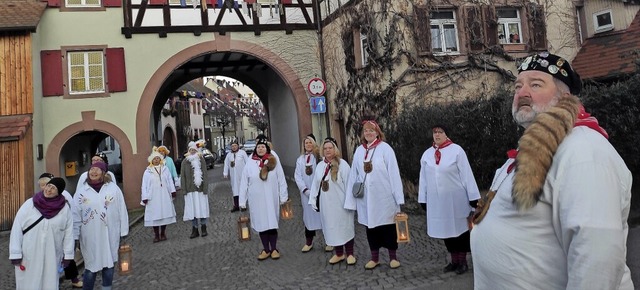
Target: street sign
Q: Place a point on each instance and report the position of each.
(316, 87)
(318, 105)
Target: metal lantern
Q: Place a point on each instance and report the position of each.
(125, 254)
(244, 234)
(402, 227)
(286, 212)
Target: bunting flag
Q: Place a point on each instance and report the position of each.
(203, 5)
(194, 3)
(183, 3)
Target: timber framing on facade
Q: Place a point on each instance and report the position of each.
(134, 16)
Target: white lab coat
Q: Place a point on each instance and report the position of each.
(42, 248)
(447, 188)
(573, 238)
(383, 193)
(99, 220)
(337, 222)
(310, 217)
(264, 197)
(234, 173)
(157, 189)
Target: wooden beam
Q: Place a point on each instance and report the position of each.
(304, 11)
(140, 15)
(166, 14)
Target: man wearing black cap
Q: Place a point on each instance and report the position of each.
(558, 207)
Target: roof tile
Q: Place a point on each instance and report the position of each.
(20, 14)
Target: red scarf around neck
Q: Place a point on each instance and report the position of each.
(308, 157)
(369, 147)
(585, 119)
(444, 144)
(326, 169)
(262, 159)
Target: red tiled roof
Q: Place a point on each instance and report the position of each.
(20, 14)
(14, 127)
(609, 55)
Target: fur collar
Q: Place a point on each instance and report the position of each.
(536, 148)
(194, 160)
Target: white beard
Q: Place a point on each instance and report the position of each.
(524, 117)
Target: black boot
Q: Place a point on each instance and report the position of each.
(194, 233)
(204, 230)
(462, 268)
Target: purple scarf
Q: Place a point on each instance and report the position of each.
(48, 207)
(96, 186)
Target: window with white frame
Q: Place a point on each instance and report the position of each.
(444, 32)
(86, 72)
(603, 21)
(82, 3)
(364, 48)
(509, 26)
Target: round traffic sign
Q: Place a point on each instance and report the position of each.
(317, 87)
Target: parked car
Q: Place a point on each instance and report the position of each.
(209, 158)
(249, 146)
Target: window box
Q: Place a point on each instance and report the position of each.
(514, 47)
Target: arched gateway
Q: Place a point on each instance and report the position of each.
(278, 84)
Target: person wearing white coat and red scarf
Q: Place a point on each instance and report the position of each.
(383, 193)
(303, 175)
(558, 217)
(450, 192)
(328, 192)
(234, 163)
(264, 186)
(100, 220)
(195, 183)
(158, 191)
(38, 253)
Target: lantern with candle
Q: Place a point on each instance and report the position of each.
(402, 227)
(286, 212)
(244, 234)
(125, 254)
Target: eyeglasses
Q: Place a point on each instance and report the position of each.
(438, 131)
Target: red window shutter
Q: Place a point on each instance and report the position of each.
(491, 25)
(52, 3)
(537, 27)
(116, 71)
(156, 2)
(474, 28)
(287, 1)
(51, 67)
(422, 29)
(112, 3)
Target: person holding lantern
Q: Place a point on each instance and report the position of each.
(100, 220)
(448, 191)
(327, 195)
(233, 166)
(168, 162)
(41, 239)
(375, 166)
(195, 183)
(264, 186)
(157, 196)
(303, 175)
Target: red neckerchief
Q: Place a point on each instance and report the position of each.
(585, 119)
(326, 169)
(438, 154)
(262, 159)
(308, 157)
(512, 155)
(369, 147)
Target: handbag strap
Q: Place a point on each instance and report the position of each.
(32, 225)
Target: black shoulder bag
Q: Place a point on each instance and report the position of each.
(32, 225)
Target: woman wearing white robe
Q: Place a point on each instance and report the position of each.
(39, 253)
(448, 188)
(157, 196)
(264, 186)
(100, 156)
(100, 219)
(383, 193)
(303, 175)
(234, 163)
(330, 181)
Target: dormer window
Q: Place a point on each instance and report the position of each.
(603, 21)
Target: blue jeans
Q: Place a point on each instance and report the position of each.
(194, 222)
(89, 278)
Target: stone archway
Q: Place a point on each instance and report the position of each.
(89, 123)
